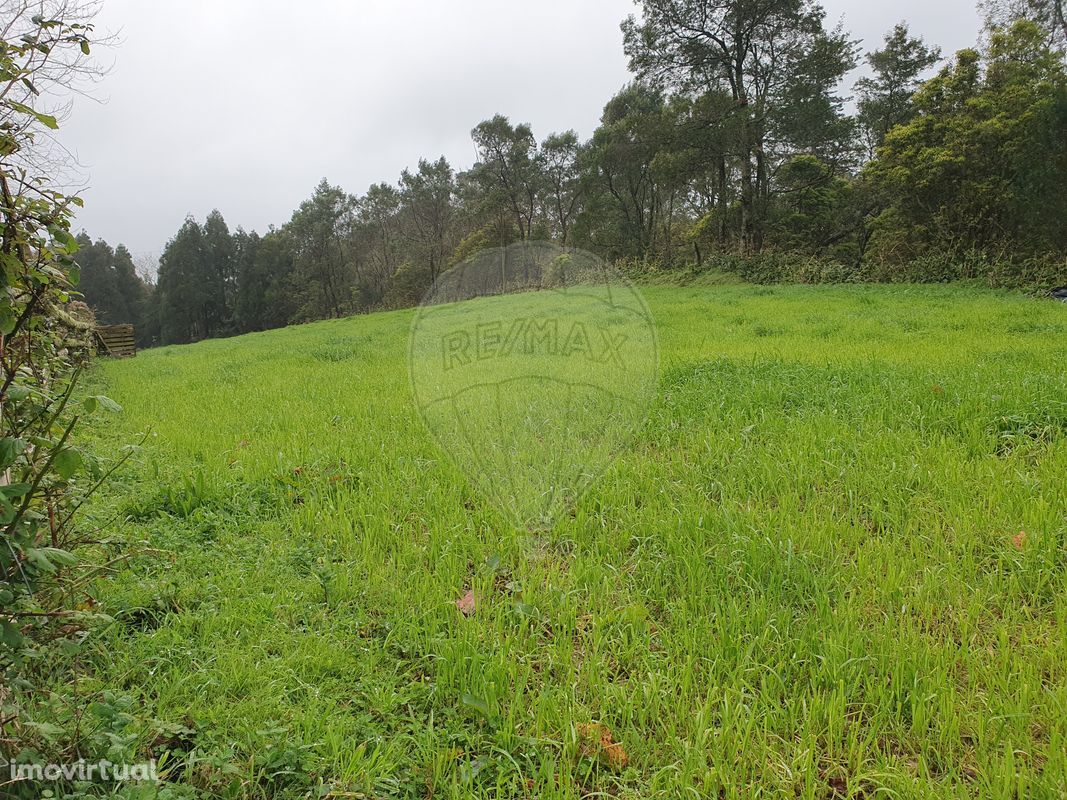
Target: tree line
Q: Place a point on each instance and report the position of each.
(734, 146)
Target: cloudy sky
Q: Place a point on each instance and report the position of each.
(243, 105)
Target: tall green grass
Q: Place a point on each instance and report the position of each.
(804, 578)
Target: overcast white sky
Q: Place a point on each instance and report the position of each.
(243, 105)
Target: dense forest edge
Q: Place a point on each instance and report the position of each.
(733, 149)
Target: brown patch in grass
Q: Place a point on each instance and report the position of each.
(596, 742)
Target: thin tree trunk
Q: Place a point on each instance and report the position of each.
(761, 198)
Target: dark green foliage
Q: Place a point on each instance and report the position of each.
(508, 172)
(732, 148)
(776, 62)
(109, 281)
(885, 98)
(188, 297)
(816, 210)
(264, 273)
(221, 271)
(428, 197)
(111, 286)
(983, 165)
(46, 472)
(773, 266)
(620, 218)
(319, 234)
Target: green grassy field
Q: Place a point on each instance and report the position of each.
(806, 577)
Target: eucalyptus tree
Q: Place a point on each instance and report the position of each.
(428, 197)
(97, 282)
(109, 282)
(775, 59)
(507, 170)
(619, 218)
(703, 134)
(806, 115)
(265, 291)
(562, 186)
(320, 233)
(248, 308)
(1049, 15)
(378, 240)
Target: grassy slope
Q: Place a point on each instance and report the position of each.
(800, 580)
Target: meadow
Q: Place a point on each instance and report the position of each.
(832, 562)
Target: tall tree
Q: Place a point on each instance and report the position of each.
(109, 281)
(562, 184)
(751, 50)
(507, 169)
(321, 235)
(620, 216)
(983, 164)
(885, 97)
(194, 271)
(428, 196)
(701, 159)
(807, 115)
(221, 270)
(1049, 15)
(97, 281)
(130, 287)
(380, 229)
(248, 305)
(264, 288)
(185, 290)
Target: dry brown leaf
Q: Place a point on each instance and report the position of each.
(467, 604)
(597, 742)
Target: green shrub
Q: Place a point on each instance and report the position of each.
(1036, 274)
(45, 472)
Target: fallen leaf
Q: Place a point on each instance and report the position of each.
(597, 742)
(1019, 540)
(467, 604)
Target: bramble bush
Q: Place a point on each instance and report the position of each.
(45, 474)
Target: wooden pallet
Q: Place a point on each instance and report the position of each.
(116, 340)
